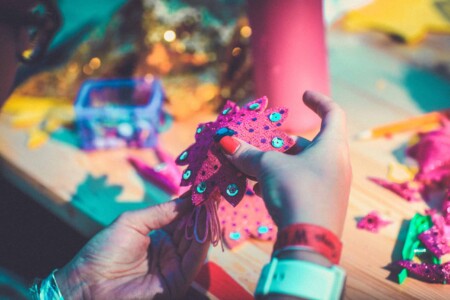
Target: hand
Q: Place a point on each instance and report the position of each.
(124, 262)
(312, 185)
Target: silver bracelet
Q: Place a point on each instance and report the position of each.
(46, 289)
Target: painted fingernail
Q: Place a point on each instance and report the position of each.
(229, 144)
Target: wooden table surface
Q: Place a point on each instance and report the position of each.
(374, 79)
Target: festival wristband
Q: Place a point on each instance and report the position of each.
(316, 238)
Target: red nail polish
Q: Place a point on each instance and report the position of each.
(229, 145)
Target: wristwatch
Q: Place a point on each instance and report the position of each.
(301, 279)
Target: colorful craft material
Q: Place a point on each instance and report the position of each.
(372, 222)
(414, 123)
(160, 175)
(408, 20)
(412, 245)
(39, 116)
(119, 113)
(249, 220)
(435, 273)
(210, 174)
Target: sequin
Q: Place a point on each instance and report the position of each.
(254, 106)
(235, 235)
(263, 229)
(275, 117)
(201, 187)
(226, 111)
(199, 129)
(187, 174)
(232, 190)
(277, 142)
(184, 155)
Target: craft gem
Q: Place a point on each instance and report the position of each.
(201, 187)
(275, 117)
(263, 229)
(184, 155)
(277, 142)
(226, 111)
(232, 190)
(187, 174)
(254, 106)
(235, 235)
(199, 129)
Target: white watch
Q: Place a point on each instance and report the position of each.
(301, 279)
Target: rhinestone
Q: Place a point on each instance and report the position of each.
(201, 187)
(199, 129)
(226, 111)
(275, 117)
(232, 190)
(187, 174)
(263, 229)
(184, 155)
(277, 142)
(235, 235)
(254, 106)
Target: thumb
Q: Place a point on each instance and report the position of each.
(158, 216)
(242, 155)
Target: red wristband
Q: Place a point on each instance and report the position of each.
(316, 238)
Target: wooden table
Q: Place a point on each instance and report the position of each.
(374, 79)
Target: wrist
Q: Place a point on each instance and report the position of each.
(70, 283)
(308, 241)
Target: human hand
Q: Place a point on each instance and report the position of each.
(124, 262)
(311, 185)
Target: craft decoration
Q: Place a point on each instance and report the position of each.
(40, 116)
(210, 174)
(428, 237)
(408, 20)
(372, 222)
(435, 273)
(250, 220)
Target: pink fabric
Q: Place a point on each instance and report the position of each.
(210, 174)
(250, 220)
(209, 166)
(427, 272)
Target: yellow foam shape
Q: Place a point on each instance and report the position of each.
(401, 173)
(408, 19)
(37, 138)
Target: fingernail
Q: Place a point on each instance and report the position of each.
(229, 144)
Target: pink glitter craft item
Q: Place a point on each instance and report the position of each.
(427, 272)
(372, 222)
(210, 174)
(409, 190)
(435, 241)
(432, 153)
(250, 220)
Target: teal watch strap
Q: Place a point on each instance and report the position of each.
(301, 279)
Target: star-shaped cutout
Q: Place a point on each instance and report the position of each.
(410, 20)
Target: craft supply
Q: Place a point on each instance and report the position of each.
(372, 222)
(161, 176)
(119, 112)
(249, 220)
(413, 123)
(210, 174)
(408, 21)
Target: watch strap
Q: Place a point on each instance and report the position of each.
(301, 279)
